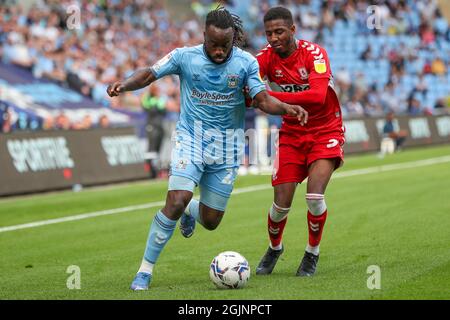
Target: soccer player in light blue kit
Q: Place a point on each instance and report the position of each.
(209, 136)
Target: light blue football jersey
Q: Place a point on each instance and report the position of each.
(212, 101)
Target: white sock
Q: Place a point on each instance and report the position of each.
(316, 203)
(146, 267)
(277, 213)
(313, 250)
(278, 247)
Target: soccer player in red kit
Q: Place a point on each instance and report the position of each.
(299, 73)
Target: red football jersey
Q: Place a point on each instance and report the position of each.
(292, 74)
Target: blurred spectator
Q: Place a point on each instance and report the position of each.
(5, 118)
(427, 8)
(169, 125)
(404, 47)
(6, 122)
(44, 65)
(84, 124)
(426, 34)
(438, 67)
(250, 150)
(409, 52)
(274, 123)
(440, 24)
(111, 41)
(360, 85)
(155, 106)
(48, 123)
(103, 121)
(373, 106)
(392, 130)
(202, 7)
(354, 106)
(17, 51)
(327, 15)
(421, 85)
(344, 85)
(391, 101)
(3, 110)
(367, 54)
(414, 106)
(74, 81)
(63, 122)
(440, 105)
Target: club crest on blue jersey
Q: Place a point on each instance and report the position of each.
(182, 163)
(233, 81)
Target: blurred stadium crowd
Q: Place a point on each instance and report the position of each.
(402, 66)
(397, 60)
(113, 39)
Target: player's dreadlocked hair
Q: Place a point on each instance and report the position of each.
(223, 19)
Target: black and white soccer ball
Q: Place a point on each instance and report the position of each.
(229, 270)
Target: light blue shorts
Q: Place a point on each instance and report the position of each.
(215, 186)
(187, 171)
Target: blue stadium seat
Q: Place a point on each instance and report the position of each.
(339, 24)
(430, 80)
(375, 50)
(359, 64)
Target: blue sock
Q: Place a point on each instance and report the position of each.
(161, 231)
(194, 210)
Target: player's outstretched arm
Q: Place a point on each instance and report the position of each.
(313, 97)
(137, 80)
(271, 105)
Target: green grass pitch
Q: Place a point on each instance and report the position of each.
(398, 220)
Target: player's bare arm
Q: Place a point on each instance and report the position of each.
(271, 105)
(136, 81)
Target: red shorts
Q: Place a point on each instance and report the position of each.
(298, 148)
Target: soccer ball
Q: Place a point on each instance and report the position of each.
(229, 270)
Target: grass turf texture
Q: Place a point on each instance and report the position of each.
(398, 220)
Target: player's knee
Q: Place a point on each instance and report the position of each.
(316, 203)
(284, 196)
(211, 225)
(175, 207)
(210, 218)
(281, 198)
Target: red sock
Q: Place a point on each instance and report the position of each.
(275, 231)
(315, 227)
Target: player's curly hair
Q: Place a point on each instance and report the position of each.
(276, 13)
(223, 19)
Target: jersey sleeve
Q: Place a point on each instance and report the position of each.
(169, 64)
(254, 81)
(317, 62)
(262, 58)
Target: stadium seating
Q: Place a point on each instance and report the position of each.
(400, 52)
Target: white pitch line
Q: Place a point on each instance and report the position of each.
(337, 175)
(82, 216)
(392, 167)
